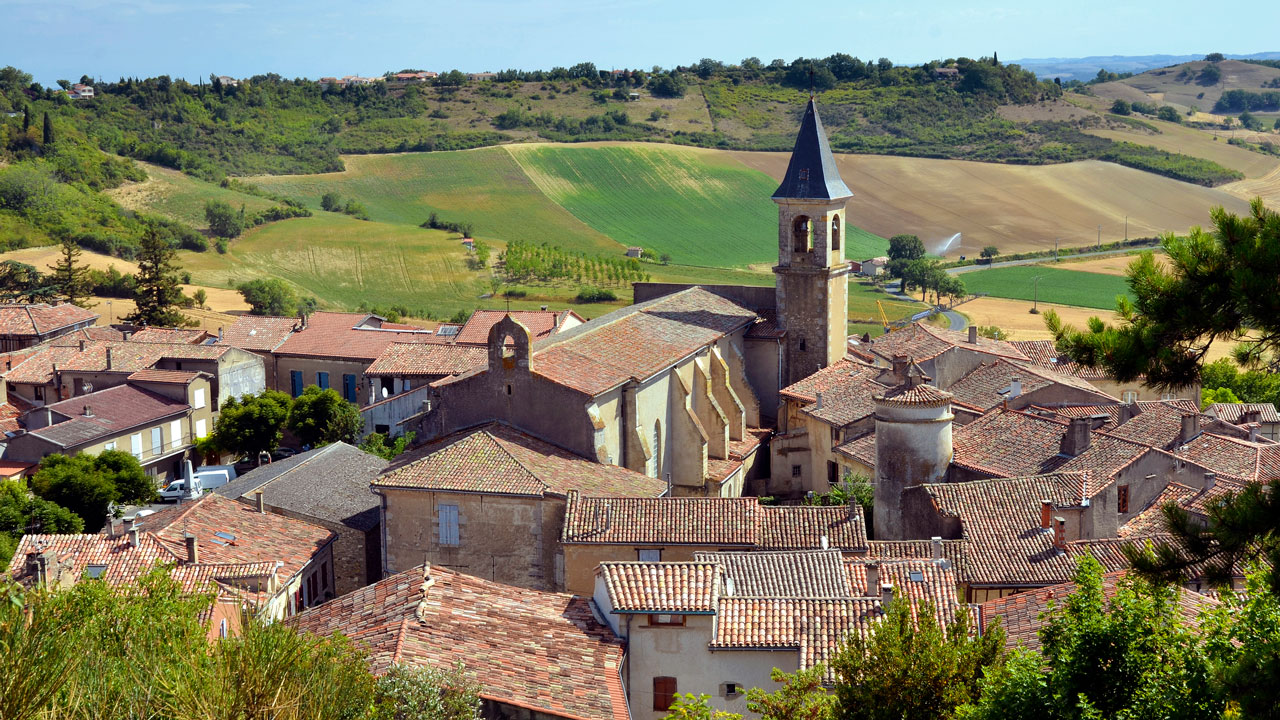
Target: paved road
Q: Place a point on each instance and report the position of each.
(1035, 261)
(958, 321)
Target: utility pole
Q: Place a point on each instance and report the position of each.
(1099, 238)
(1035, 303)
(1055, 249)
(1126, 228)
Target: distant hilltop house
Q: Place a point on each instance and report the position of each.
(481, 76)
(410, 77)
(80, 92)
(873, 266)
(635, 251)
(227, 81)
(946, 72)
(326, 82)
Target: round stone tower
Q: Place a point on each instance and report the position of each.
(913, 445)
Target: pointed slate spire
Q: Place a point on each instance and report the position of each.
(812, 173)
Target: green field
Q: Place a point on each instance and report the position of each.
(182, 197)
(1063, 287)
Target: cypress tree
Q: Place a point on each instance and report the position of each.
(26, 118)
(48, 129)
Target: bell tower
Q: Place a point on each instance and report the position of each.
(812, 274)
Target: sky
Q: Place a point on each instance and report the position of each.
(108, 39)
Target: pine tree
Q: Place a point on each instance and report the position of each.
(48, 129)
(70, 276)
(157, 293)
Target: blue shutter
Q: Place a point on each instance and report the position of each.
(449, 525)
(349, 388)
(322, 379)
(295, 382)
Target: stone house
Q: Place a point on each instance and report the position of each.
(1017, 385)
(541, 324)
(60, 371)
(536, 655)
(329, 487)
(1044, 354)
(943, 355)
(1264, 414)
(271, 566)
(157, 416)
(617, 529)
(491, 502)
(659, 387)
(718, 625)
(260, 335)
(24, 325)
(400, 377)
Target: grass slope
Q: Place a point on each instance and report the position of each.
(1059, 286)
(485, 187)
(180, 197)
(704, 208)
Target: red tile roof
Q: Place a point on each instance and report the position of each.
(541, 324)
(914, 395)
(1150, 520)
(1232, 457)
(846, 388)
(718, 522)
(170, 335)
(1010, 443)
(11, 411)
(499, 459)
(1159, 424)
(417, 359)
(261, 333)
(1023, 615)
(658, 587)
(41, 319)
(1235, 412)
(346, 335)
(114, 411)
(176, 377)
(126, 357)
(920, 341)
(719, 469)
(539, 651)
(1044, 354)
(989, 384)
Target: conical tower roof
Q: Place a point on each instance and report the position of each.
(812, 173)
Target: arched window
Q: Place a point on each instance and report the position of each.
(800, 234)
(835, 232)
(655, 462)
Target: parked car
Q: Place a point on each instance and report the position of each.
(282, 453)
(181, 489)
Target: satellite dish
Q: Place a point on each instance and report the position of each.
(385, 393)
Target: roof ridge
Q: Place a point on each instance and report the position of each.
(493, 438)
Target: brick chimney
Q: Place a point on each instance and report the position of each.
(1060, 533)
(1190, 428)
(900, 363)
(886, 596)
(109, 359)
(1210, 479)
(873, 577)
(936, 543)
(1252, 416)
(1076, 440)
(193, 550)
(258, 502)
(1046, 514)
(973, 334)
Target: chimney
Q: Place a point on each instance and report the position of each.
(219, 333)
(258, 502)
(1046, 514)
(1190, 428)
(126, 334)
(82, 344)
(114, 525)
(1126, 413)
(302, 319)
(1098, 420)
(88, 411)
(818, 406)
(1253, 432)
(193, 550)
(873, 578)
(1015, 387)
(973, 334)
(1252, 416)
(133, 536)
(48, 416)
(1076, 440)
(1060, 533)
(900, 363)
(936, 543)
(109, 359)
(1210, 479)
(38, 563)
(886, 596)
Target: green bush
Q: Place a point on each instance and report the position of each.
(595, 295)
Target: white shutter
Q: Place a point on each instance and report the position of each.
(175, 434)
(157, 441)
(135, 444)
(200, 428)
(199, 399)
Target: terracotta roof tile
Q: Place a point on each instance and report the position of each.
(819, 573)
(41, 319)
(719, 469)
(658, 587)
(1044, 354)
(1023, 615)
(539, 651)
(258, 332)
(1010, 443)
(346, 335)
(499, 459)
(846, 389)
(920, 395)
(921, 342)
(412, 359)
(1233, 457)
(989, 384)
(541, 324)
(126, 357)
(1150, 520)
(170, 335)
(711, 521)
(114, 410)
(1235, 413)
(1159, 424)
(176, 377)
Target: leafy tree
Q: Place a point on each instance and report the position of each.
(252, 423)
(696, 707)
(376, 444)
(1216, 395)
(1214, 57)
(913, 669)
(356, 209)
(1168, 114)
(271, 296)
(320, 417)
(905, 247)
(22, 512)
(1250, 121)
(20, 282)
(331, 202)
(1209, 75)
(1215, 286)
(1121, 107)
(48, 130)
(200, 296)
(801, 697)
(223, 221)
(427, 693)
(1127, 657)
(668, 85)
(87, 485)
(989, 252)
(1243, 638)
(158, 294)
(993, 332)
(70, 276)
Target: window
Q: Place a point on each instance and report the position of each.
(732, 690)
(1122, 499)
(802, 345)
(1129, 397)
(833, 473)
(449, 525)
(349, 387)
(157, 441)
(664, 693)
(93, 572)
(295, 382)
(110, 446)
(39, 393)
(835, 233)
(201, 430)
(322, 379)
(135, 444)
(1168, 396)
(649, 555)
(175, 434)
(795, 471)
(800, 235)
(666, 620)
(222, 628)
(197, 399)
